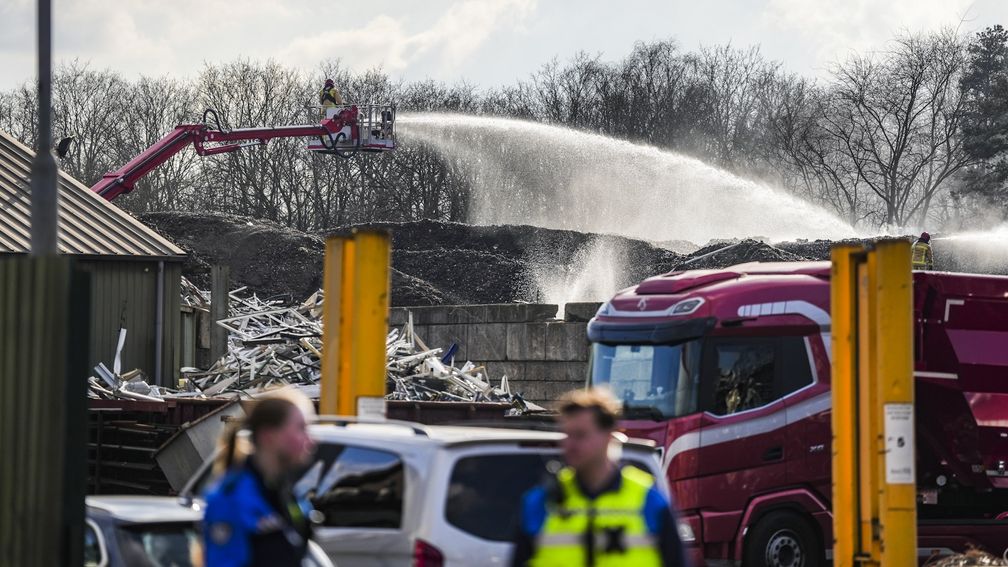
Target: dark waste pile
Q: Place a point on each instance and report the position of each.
(722, 254)
(442, 263)
(434, 263)
(269, 259)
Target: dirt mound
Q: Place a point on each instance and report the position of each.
(412, 291)
(480, 277)
(724, 254)
(820, 249)
(437, 263)
(811, 249)
(433, 262)
(272, 260)
(495, 264)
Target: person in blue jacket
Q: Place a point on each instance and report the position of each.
(252, 516)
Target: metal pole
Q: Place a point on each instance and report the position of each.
(220, 286)
(159, 328)
(44, 196)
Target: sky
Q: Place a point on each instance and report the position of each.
(485, 42)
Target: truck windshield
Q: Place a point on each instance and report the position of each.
(654, 381)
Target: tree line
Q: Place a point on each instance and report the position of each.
(912, 135)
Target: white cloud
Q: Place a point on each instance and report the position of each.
(491, 42)
(385, 41)
(833, 29)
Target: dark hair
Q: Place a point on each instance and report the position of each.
(604, 407)
(265, 414)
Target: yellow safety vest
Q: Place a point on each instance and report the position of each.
(333, 99)
(922, 256)
(614, 520)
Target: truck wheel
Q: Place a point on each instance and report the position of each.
(783, 539)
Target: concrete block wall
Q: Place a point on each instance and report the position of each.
(542, 355)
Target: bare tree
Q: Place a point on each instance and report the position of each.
(564, 93)
(153, 108)
(19, 113)
(732, 81)
(808, 139)
(89, 106)
(899, 118)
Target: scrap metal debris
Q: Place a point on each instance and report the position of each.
(419, 373)
(132, 385)
(270, 344)
(969, 559)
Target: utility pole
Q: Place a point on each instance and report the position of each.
(44, 196)
(44, 332)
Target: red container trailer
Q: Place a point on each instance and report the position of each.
(729, 371)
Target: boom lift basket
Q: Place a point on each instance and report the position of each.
(375, 130)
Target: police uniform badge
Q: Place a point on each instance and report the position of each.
(220, 533)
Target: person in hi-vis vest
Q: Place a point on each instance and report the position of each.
(594, 512)
(329, 96)
(923, 256)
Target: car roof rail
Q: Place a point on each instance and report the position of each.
(549, 426)
(343, 420)
(515, 424)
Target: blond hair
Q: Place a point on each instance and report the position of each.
(268, 411)
(600, 401)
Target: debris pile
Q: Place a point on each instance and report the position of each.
(417, 372)
(271, 344)
(969, 559)
(433, 263)
(132, 385)
(449, 263)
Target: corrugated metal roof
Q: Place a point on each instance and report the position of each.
(88, 224)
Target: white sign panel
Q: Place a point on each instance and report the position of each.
(371, 407)
(899, 434)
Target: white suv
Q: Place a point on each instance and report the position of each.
(407, 495)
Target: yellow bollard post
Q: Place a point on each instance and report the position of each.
(843, 337)
(332, 284)
(867, 423)
(894, 391)
(369, 321)
(874, 490)
(344, 392)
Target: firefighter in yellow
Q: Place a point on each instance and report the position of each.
(329, 96)
(594, 512)
(923, 257)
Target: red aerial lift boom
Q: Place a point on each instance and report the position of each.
(343, 131)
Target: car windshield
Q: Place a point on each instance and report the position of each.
(653, 381)
(161, 545)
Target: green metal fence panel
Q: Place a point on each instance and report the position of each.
(38, 330)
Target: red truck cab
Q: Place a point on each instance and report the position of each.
(729, 371)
